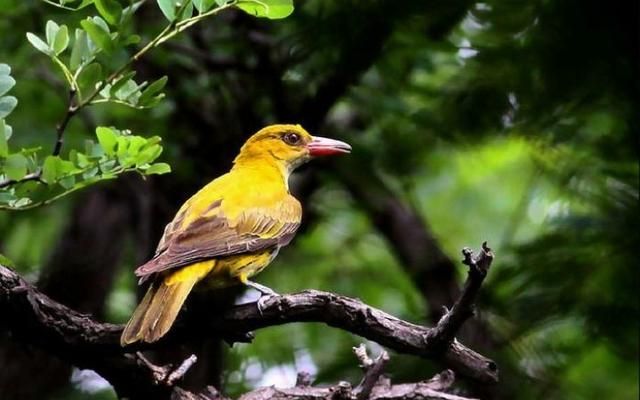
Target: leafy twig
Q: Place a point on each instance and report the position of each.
(172, 29)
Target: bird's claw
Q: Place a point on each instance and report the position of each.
(260, 303)
(265, 294)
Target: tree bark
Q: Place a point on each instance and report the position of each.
(36, 320)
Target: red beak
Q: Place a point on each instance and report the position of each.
(321, 146)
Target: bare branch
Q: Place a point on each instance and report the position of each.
(464, 307)
(428, 390)
(356, 317)
(167, 374)
(35, 319)
(362, 356)
(179, 372)
(441, 381)
(372, 371)
(303, 379)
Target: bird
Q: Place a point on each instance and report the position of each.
(228, 231)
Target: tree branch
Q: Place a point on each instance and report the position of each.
(372, 371)
(464, 308)
(356, 317)
(379, 388)
(35, 319)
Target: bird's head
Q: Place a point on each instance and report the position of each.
(287, 146)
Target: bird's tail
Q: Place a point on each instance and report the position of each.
(160, 306)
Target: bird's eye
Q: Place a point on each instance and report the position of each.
(291, 138)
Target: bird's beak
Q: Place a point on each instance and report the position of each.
(321, 146)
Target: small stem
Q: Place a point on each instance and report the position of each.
(179, 372)
(182, 25)
(116, 171)
(68, 76)
(168, 32)
(62, 126)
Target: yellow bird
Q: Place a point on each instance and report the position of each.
(230, 230)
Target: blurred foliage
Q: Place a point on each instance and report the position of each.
(519, 126)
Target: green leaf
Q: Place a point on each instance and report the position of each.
(135, 144)
(158, 169)
(7, 196)
(84, 4)
(6, 83)
(80, 51)
(98, 34)
(168, 8)
(107, 165)
(93, 150)
(154, 101)
(131, 39)
(186, 12)
(272, 9)
(73, 156)
(130, 10)
(8, 131)
(61, 40)
(39, 44)
(68, 182)
(7, 104)
(4, 147)
(120, 82)
(127, 91)
(15, 166)
(90, 173)
(67, 166)
(107, 139)
(149, 154)
(51, 169)
(203, 5)
(51, 31)
(90, 76)
(101, 23)
(122, 151)
(82, 161)
(152, 90)
(21, 202)
(110, 10)
(153, 140)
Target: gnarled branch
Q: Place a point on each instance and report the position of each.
(35, 319)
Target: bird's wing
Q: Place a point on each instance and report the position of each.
(214, 235)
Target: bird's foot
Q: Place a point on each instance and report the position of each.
(265, 294)
(260, 303)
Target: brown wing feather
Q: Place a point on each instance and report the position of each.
(214, 236)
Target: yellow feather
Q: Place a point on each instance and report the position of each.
(250, 204)
(160, 306)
